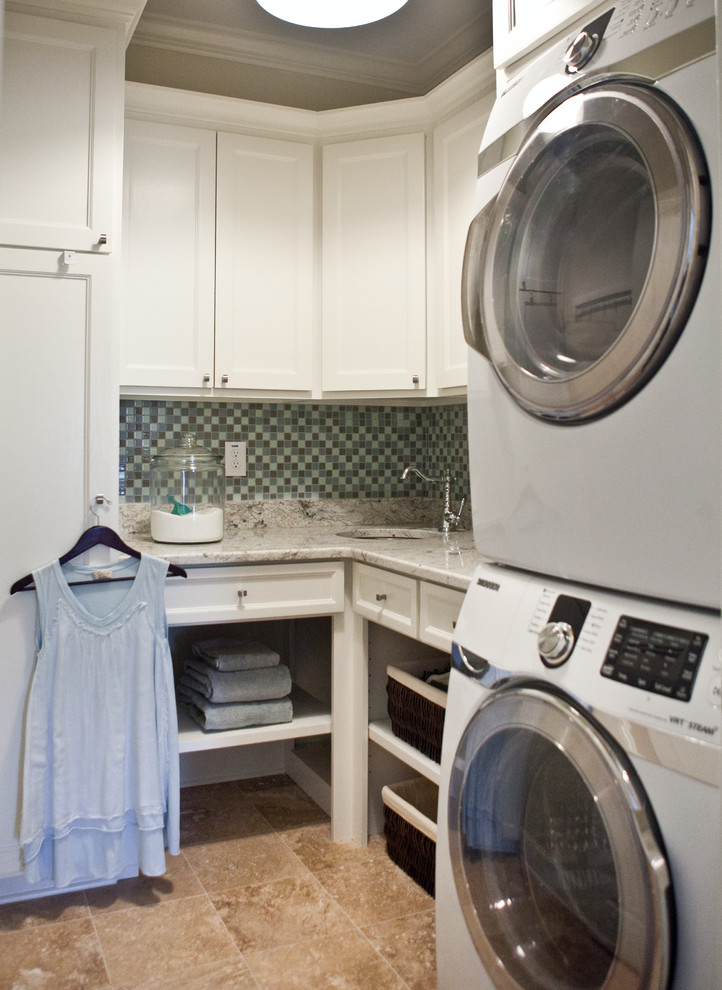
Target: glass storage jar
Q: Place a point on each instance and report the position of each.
(186, 494)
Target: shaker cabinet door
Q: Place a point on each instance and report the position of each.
(60, 133)
(264, 263)
(168, 255)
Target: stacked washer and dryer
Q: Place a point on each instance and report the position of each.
(579, 825)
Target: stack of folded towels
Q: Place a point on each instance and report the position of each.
(228, 684)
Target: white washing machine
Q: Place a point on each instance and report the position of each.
(578, 843)
(591, 299)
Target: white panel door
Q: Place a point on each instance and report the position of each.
(168, 256)
(60, 125)
(374, 286)
(456, 149)
(264, 263)
(59, 450)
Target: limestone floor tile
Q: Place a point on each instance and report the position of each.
(218, 811)
(313, 846)
(375, 891)
(344, 962)
(286, 806)
(236, 862)
(42, 910)
(179, 880)
(263, 916)
(62, 956)
(409, 946)
(169, 937)
(227, 975)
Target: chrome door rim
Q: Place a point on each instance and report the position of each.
(643, 876)
(672, 154)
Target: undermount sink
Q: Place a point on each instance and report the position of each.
(385, 533)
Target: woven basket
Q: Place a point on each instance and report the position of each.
(416, 710)
(410, 828)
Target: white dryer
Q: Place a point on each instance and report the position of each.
(578, 840)
(591, 298)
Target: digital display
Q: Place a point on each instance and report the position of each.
(653, 657)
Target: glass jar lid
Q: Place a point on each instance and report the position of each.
(187, 454)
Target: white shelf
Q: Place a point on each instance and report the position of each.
(310, 718)
(380, 732)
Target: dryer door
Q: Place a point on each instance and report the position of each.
(556, 855)
(591, 256)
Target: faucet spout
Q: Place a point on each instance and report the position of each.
(449, 519)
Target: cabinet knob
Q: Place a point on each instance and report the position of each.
(207, 376)
(415, 380)
(242, 593)
(224, 379)
(103, 239)
(380, 598)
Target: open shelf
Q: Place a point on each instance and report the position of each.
(381, 733)
(310, 718)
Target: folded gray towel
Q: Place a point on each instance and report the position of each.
(230, 654)
(214, 717)
(228, 686)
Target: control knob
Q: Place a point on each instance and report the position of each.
(580, 52)
(555, 643)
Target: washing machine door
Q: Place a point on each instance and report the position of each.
(556, 856)
(580, 275)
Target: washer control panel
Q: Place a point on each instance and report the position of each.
(653, 657)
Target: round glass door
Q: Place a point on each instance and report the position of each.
(556, 856)
(591, 256)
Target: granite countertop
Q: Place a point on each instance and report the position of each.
(258, 533)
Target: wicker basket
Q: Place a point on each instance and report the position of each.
(416, 710)
(410, 828)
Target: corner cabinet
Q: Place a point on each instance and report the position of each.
(60, 128)
(218, 260)
(374, 265)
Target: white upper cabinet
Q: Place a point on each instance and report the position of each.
(521, 25)
(168, 255)
(264, 264)
(456, 148)
(374, 258)
(61, 124)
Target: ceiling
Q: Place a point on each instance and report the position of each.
(235, 48)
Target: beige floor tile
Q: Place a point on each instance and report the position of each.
(63, 956)
(230, 975)
(344, 962)
(313, 846)
(218, 811)
(409, 946)
(263, 916)
(42, 911)
(237, 862)
(169, 937)
(375, 891)
(286, 806)
(179, 880)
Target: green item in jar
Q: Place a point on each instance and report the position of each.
(178, 508)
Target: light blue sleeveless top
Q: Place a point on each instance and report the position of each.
(100, 777)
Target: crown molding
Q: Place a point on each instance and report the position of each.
(475, 81)
(124, 12)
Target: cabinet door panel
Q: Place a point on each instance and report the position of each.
(168, 255)
(264, 264)
(60, 129)
(374, 279)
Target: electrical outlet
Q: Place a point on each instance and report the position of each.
(235, 459)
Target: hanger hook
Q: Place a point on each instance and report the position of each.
(99, 500)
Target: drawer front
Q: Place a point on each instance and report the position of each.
(389, 599)
(439, 609)
(237, 594)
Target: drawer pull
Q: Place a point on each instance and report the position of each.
(380, 598)
(242, 593)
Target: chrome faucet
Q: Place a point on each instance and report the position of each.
(449, 519)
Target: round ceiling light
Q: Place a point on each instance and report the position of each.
(331, 13)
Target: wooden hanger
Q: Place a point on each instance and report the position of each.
(93, 537)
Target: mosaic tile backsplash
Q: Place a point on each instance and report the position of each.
(305, 451)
